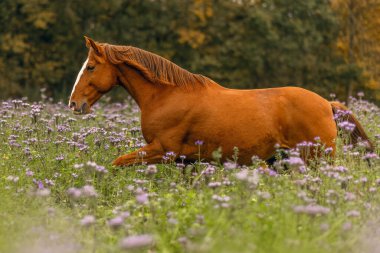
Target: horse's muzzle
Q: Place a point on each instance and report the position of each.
(84, 109)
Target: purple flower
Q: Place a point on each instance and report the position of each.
(87, 221)
(312, 210)
(116, 222)
(137, 241)
(264, 195)
(251, 177)
(29, 173)
(59, 158)
(328, 150)
(141, 154)
(214, 184)
(13, 179)
(43, 192)
(74, 192)
(142, 198)
(347, 126)
(347, 226)
(89, 191)
(210, 170)
(151, 169)
(349, 196)
(229, 166)
(353, 213)
(371, 156)
(39, 184)
(199, 142)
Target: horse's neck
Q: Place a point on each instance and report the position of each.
(141, 90)
(146, 94)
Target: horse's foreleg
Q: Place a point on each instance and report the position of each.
(151, 153)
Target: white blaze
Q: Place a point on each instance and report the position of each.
(78, 77)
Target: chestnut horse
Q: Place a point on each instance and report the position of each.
(178, 108)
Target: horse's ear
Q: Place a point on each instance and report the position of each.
(91, 43)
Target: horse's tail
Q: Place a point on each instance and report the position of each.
(343, 114)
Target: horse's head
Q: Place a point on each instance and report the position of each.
(96, 77)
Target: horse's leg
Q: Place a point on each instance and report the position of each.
(151, 153)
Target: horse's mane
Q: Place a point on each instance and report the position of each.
(154, 68)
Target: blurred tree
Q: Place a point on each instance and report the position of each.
(239, 43)
(359, 39)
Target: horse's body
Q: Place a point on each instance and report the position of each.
(179, 109)
(252, 120)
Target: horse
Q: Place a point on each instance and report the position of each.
(192, 116)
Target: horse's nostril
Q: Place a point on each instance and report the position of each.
(72, 105)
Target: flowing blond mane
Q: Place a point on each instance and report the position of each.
(154, 68)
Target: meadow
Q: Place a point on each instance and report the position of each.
(60, 193)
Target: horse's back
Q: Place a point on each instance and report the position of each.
(262, 118)
(304, 115)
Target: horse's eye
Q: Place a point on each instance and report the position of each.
(90, 68)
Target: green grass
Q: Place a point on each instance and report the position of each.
(183, 213)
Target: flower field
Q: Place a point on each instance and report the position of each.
(60, 193)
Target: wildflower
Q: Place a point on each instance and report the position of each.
(142, 198)
(251, 177)
(199, 142)
(347, 126)
(141, 154)
(78, 166)
(372, 189)
(151, 169)
(43, 192)
(200, 219)
(49, 182)
(182, 157)
(13, 179)
(74, 192)
(137, 241)
(360, 94)
(294, 162)
(210, 170)
(328, 150)
(89, 191)
(229, 166)
(214, 184)
(183, 240)
(312, 210)
(29, 173)
(347, 226)
(349, 196)
(59, 158)
(87, 221)
(367, 205)
(125, 215)
(264, 195)
(116, 222)
(370, 156)
(171, 154)
(353, 213)
(97, 168)
(363, 180)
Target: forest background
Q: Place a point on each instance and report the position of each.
(328, 46)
